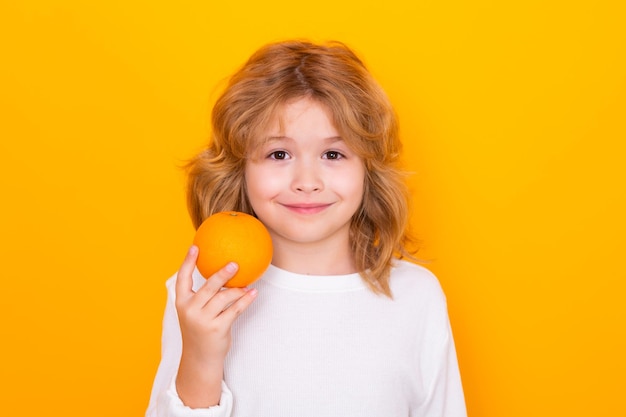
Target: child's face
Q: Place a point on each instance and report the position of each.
(303, 182)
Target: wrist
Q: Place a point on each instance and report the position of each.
(199, 382)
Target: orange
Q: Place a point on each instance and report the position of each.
(233, 236)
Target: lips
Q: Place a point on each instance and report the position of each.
(307, 208)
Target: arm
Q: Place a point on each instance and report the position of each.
(445, 391)
(205, 318)
(441, 375)
(196, 338)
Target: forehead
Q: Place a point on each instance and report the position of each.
(298, 117)
(301, 114)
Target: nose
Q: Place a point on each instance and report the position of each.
(307, 178)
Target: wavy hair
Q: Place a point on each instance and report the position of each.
(332, 74)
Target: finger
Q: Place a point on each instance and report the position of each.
(184, 280)
(214, 284)
(239, 306)
(216, 281)
(223, 300)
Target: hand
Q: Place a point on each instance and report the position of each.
(205, 318)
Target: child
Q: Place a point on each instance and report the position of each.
(339, 325)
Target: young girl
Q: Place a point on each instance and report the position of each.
(339, 325)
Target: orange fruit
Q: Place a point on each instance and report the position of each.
(233, 236)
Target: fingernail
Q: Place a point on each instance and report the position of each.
(232, 267)
(193, 250)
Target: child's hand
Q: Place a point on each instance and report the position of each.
(205, 318)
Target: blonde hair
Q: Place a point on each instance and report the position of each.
(333, 75)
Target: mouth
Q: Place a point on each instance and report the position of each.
(306, 208)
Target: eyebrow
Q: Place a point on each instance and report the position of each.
(269, 139)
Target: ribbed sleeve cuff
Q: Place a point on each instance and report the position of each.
(169, 404)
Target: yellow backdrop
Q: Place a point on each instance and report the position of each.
(513, 115)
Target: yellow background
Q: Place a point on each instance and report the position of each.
(513, 115)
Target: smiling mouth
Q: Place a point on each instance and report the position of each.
(306, 208)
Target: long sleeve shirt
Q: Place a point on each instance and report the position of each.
(324, 346)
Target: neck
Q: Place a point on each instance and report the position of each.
(319, 259)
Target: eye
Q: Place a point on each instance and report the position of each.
(333, 155)
(279, 155)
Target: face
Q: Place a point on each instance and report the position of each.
(303, 181)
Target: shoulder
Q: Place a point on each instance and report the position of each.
(409, 279)
(407, 273)
(419, 296)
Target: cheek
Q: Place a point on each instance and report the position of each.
(252, 186)
(349, 186)
(260, 185)
(351, 182)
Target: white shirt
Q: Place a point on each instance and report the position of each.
(325, 346)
